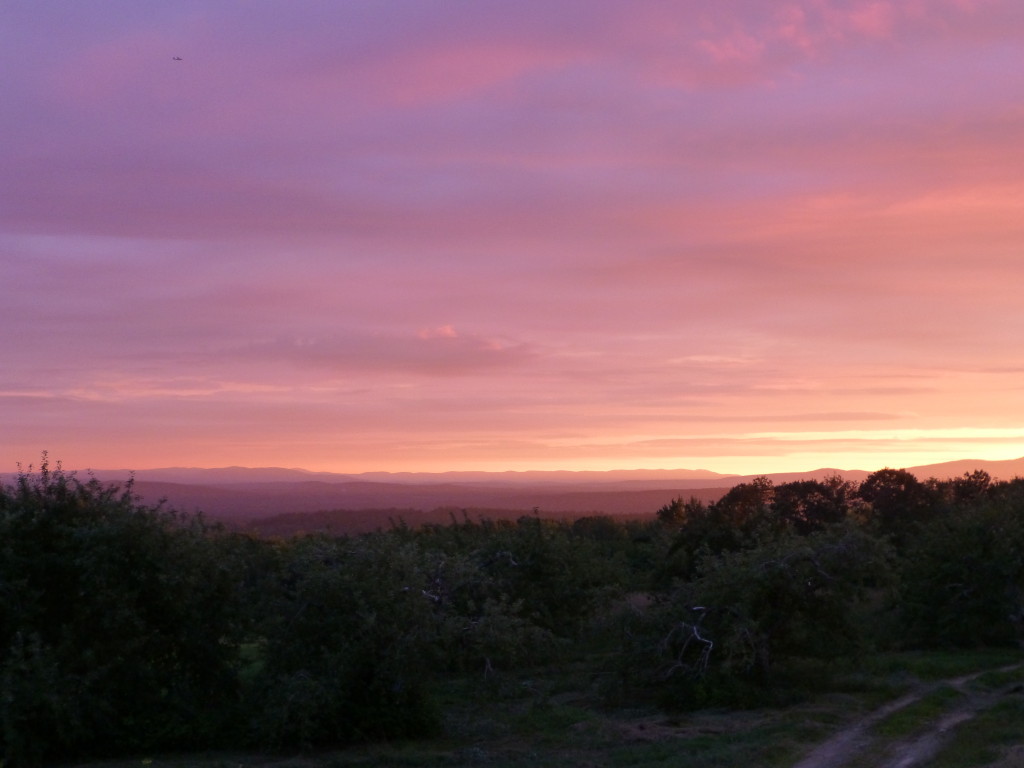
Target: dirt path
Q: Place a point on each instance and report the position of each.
(914, 751)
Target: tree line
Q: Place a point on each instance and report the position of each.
(127, 627)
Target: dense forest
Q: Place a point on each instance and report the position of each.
(126, 627)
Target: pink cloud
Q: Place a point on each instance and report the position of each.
(873, 19)
(459, 71)
(439, 352)
(793, 28)
(440, 332)
(738, 47)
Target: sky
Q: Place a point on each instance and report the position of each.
(431, 235)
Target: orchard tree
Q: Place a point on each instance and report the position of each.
(748, 611)
(962, 579)
(349, 644)
(116, 625)
(735, 521)
(897, 503)
(747, 501)
(810, 505)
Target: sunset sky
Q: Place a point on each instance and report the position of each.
(351, 235)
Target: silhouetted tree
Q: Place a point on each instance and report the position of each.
(898, 503)
(962, 578)
(116, 625)
(810, 505)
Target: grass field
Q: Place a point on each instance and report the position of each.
(556, 719)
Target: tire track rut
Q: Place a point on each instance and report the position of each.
(845, 746)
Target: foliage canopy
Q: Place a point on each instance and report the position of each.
(126, 627)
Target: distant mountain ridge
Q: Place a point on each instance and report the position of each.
(232, 475)
(623, 479)
(241, 495)
(999, 470)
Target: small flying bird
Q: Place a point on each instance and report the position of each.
(177, 58)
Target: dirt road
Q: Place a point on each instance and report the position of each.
(844, 747)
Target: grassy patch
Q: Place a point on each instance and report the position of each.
(554, 717)
(984, 740)
(918, 715)
(1001, 678)
(938, 665)
(770, 743)
(549, 721)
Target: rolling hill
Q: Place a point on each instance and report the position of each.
(242, 495)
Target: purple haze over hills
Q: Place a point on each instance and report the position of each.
(243, 494)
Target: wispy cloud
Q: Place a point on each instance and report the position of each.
(437, 352)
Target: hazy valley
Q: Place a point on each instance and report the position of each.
(283, 501)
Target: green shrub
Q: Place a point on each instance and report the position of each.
(752, 613)
(962, 579)
(113, 627)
